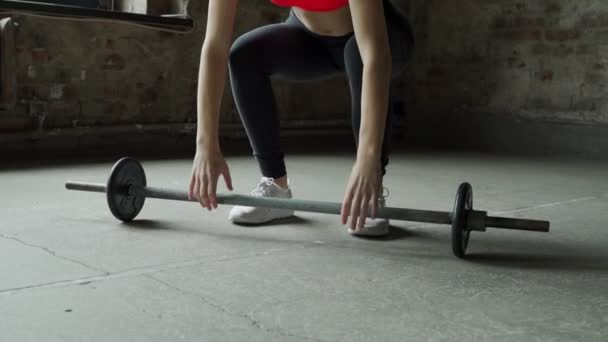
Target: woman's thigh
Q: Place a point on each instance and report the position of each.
(282, 50)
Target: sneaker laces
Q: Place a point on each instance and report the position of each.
(263, 188)
(387, 192)
(382, 197)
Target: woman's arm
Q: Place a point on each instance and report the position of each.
(372, 38)
(212, 71)
(208, 162)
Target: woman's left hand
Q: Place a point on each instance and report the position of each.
(361, 192)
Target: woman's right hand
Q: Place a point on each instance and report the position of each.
(207, 167)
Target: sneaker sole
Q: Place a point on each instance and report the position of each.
(370, 233)
(252, 223)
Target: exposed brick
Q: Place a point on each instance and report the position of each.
(62, 75)
(435, 72)
(523, 22)
(116, 90)
(545, 76)
(462, 59)
(114, 62)
(39, 55)
(516, 7)
(518, 22)
(518, 35)
(28, 92)
(553, 8)
(515, 62)
(553, 50)
(539, 49)
(116, 107)
(57, 91)
(37, 108)
(594, 20)
(585, 50)
(595, 78)
(425, 83)
(17, 123)
(149, 95)
(62, 114)
(599, 35)
(562, 35)
(563, 51)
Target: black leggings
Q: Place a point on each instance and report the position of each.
(289, 50)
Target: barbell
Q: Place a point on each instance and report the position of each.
(126, 191)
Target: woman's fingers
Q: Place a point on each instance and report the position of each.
(195, 188)
(355, 210)
(346, 207)
(374, 205)
(214, 179)
(227, 178)
(361, 208)
(191, 186)
(206, 170)
(363, 212)
(205, 190)
(201, 191)
(212, 191)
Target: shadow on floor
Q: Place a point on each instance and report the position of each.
(544, 261)
(396, 233)
(148, 225)
(558, 262)
(278, 222)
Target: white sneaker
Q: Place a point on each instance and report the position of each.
(375, 227)
(254, 215)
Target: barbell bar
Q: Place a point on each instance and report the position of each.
(126, 191)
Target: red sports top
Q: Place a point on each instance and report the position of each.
(313, 5)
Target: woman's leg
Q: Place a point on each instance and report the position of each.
(401, 44)
(284, 50)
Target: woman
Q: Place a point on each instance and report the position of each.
(368, 40)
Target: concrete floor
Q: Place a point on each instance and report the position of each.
(71, 272)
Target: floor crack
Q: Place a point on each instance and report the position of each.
(247, 317)
(136, 271)
(53, 253)
(551, 204)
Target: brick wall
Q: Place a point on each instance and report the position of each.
(536, 59)
(543, 60)
(73, 74)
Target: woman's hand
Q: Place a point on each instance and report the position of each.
(207, 167)
(361, 192)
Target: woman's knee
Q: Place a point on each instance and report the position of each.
(254, 49)
(242, 51)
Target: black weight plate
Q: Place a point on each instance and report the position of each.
(460, 231)
(124, 205)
